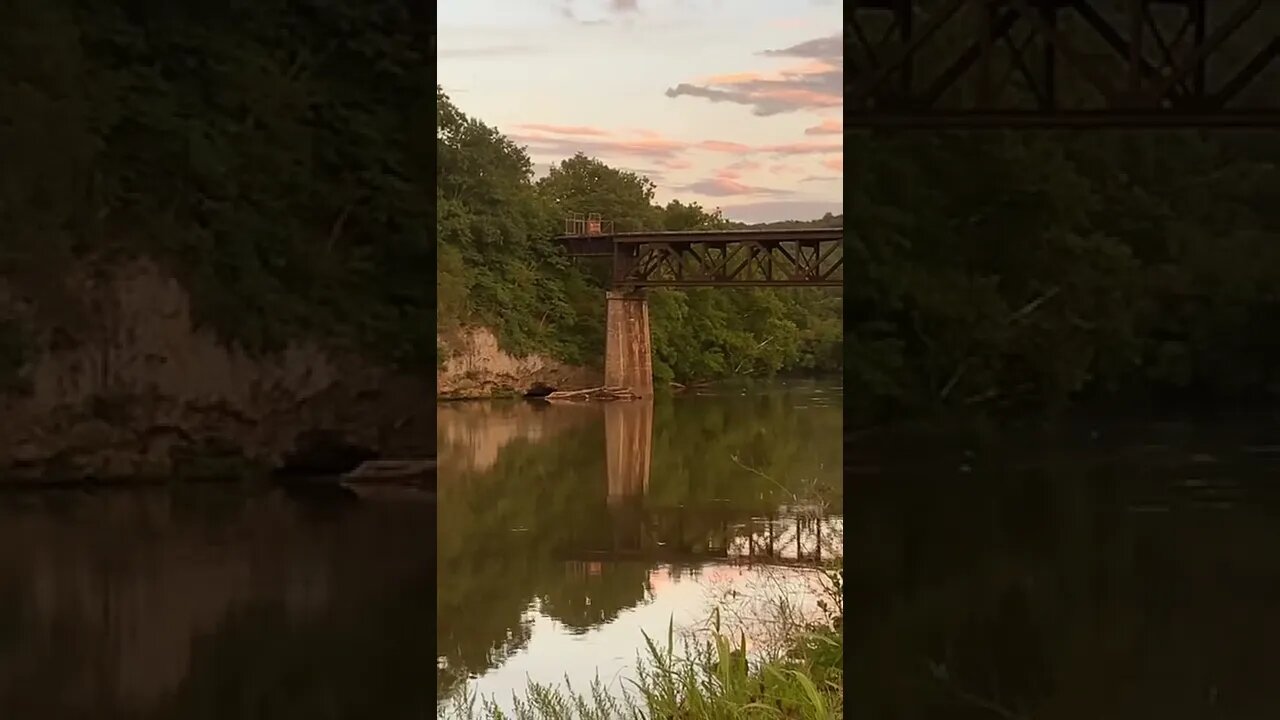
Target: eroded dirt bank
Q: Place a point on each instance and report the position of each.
(477, 367)
(142, 391)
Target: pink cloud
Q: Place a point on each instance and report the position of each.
(783, 75)
(673, 163)
(740, 78)
(828, 126)
(654, 147)
(723, 186)
(733, 171)
(658, 153)
(803, 148)
(724, 146)
(816, 82)
(564, 129)
(790, 23)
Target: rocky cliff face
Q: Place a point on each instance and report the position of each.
(145, 390)
(476, 367)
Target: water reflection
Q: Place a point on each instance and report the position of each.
(1132, 572)
(211, 602)
(595, 521)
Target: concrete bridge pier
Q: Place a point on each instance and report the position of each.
(628, 352)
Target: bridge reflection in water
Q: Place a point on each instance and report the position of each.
(566, 529)
(691, 534)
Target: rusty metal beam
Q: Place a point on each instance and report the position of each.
(728, 235)
(1085, 63)
(805, 257)
(1035, 119)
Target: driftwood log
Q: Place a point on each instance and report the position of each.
(597, 393)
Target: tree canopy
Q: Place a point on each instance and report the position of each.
(269, 154)
(1037, 267)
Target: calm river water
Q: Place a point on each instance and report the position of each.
(214, 603)
(1105, 571)
(566, 531)
(1126, 570)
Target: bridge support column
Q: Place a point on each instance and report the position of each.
(628, 352)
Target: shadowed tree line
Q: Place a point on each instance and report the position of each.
(1032, 268)
(499, 267)
(270, 154)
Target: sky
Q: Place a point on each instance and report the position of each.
(733, 104)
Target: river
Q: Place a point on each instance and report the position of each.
(568, 531)
(1118, 569)
(1108, 570)
(213, 601)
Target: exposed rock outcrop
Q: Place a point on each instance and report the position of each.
(146, 392)
(477, 367)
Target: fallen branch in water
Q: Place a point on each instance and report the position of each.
(597, 393)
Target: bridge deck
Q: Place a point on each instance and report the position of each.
(801, 256)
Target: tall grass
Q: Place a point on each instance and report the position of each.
(712, 680)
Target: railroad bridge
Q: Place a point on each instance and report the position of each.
(950, 64)
(1062, 63)
(802, 257)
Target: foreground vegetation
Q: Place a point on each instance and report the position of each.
(710, 681)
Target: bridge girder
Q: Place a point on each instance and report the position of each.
(807, 257)
(1062, 63)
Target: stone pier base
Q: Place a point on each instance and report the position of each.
(628, 353)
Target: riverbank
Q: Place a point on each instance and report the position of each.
(712, 677)
(474, 366)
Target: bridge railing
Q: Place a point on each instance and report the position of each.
(590, 224)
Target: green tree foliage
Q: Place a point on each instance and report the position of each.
(500, 268)
(1037, 267)
(270, 155)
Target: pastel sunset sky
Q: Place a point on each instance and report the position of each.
(734, 104)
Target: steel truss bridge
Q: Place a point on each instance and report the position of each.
(806, 257)
(1062, 63)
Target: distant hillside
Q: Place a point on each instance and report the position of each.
(826, 221)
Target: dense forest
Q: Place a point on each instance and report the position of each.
(273, 157)
(1027, 268)
(1020, 269)
(269, 154)
(1032, 268)
(499, 267)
